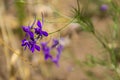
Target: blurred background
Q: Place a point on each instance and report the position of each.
(81, 48)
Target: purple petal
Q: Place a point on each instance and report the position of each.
(104, 7)
(28, 44)
(31, 35)
(37, 47)
(23, 42)
(44, 33)
(25, 29)
(47, 56)
(55, 61)
(37, 30)
(43, 44)
(39, 24)
(59, 49)
(32, 49)
(55, 43)
(46, 50)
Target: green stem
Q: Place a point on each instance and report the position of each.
(62, 27)
(117, 73)
(111, 52)
(103, 44)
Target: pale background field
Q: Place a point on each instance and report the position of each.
(17, 64)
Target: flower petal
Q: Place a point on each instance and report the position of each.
(25, 29)
(45, 48)
(37, 47)
(32, 49)
(31, 35)
(55, 43)
(47, 56)
(37, 31)
(23, 42)
(43, 44)
(59, 49)
(44, 33)
(39, 24)
(55, 61)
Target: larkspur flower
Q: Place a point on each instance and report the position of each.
(47, 51)
(30, 44)
(25, 43)
(103, 7)
(59, 51)
(28, 32)
(39, 30)
(34, 46)
(33, 35)
(55, 43)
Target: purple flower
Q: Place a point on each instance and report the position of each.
(55, 43)
(28, 32)
(26, 28)
(34, 46)
(31, 45)
(59, 51)
(103, 7)
(39, 30)
(46, 51)
(32, 36)
(25, 43)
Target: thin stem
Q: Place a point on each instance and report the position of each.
(47, 21)
(33, 22)
(62, 27)
(111, 52)
(103, 44)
